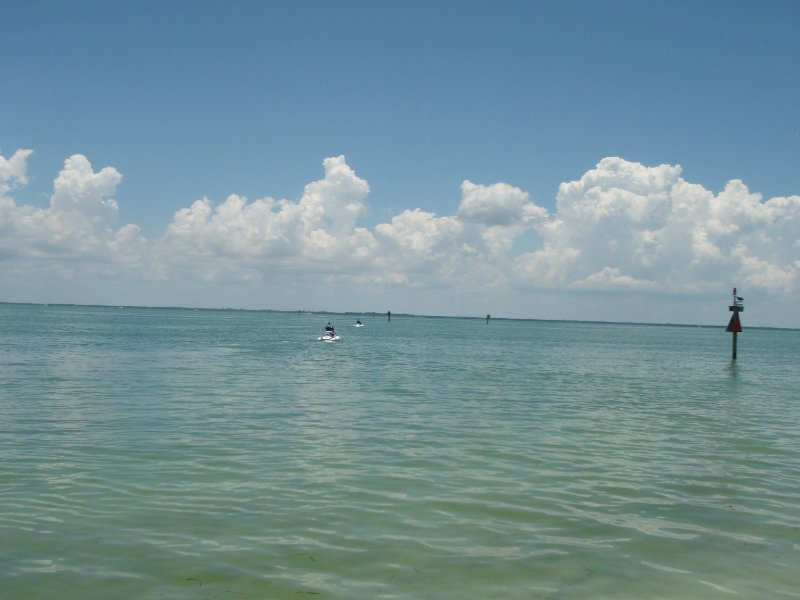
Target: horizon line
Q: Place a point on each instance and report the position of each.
(375, 313)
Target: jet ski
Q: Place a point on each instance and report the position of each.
(329, 337)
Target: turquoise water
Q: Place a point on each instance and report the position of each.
(165, 453)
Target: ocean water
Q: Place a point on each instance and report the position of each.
(197, 454)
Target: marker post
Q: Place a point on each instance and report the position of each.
(735, 325)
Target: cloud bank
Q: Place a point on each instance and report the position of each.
(623, 227)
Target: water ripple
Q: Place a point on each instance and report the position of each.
(197, 454)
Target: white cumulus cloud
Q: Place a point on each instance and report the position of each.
(498, 204)
(626, 225)
(13, 170)
(79, 223)
(241, 238)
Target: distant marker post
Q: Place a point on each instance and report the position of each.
(487, 318)
(735, 325)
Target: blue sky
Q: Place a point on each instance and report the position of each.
(192, 100)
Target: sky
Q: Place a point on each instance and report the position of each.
(612, 161)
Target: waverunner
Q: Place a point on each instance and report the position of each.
(329, 337)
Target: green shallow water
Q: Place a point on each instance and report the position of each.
(164, 453)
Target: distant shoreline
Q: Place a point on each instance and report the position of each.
(382, 314)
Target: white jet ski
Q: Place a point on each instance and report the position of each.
(329, 338)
